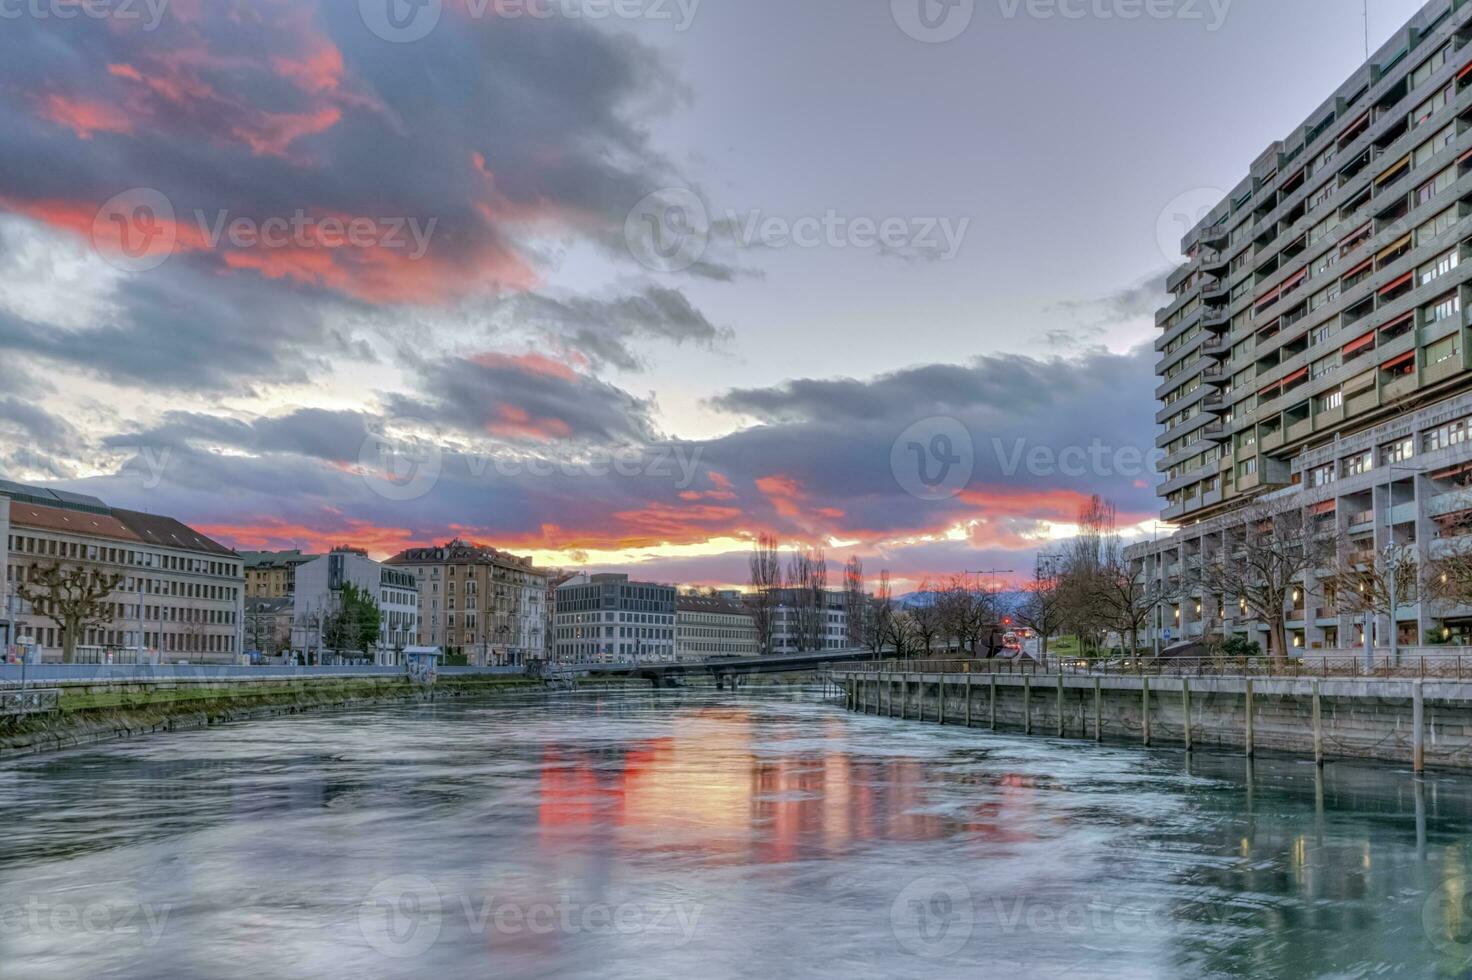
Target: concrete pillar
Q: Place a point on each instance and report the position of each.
(1418, 726)
(940, 699)
(1145, 710)
(1318, 729)
(1247, 731)
(994, 702)
(1186, 710)
(1027, 704)
(968, 699)
(1060, 704)
(1098, 711)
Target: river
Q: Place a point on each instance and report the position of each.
(715, 835)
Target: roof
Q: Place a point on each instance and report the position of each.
(461, 552)
(64, 499)
(269, 606)
(710, 604)
(262, 559)
(77, 522)
(166, 532)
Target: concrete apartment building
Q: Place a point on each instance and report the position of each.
(606, 618)
(1314, 353)
(272, 574)
(319, 588)
(479, 601)
(788, 620)
(181, 594)
(714, 626)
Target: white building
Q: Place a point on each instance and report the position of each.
(790, 614)
(607, 618)
(707, 627)
(319, 586)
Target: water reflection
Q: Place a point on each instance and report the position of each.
(720, 835)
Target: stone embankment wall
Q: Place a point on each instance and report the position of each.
(1409, 721)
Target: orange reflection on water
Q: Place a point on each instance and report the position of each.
(711, 786)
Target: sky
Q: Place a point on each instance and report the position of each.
(621, 284)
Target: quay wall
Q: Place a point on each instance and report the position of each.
(1351, 718)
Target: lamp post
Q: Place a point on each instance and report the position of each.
(1391, 559)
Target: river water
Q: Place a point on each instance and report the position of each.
(714, 835)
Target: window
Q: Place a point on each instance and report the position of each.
(1439, 266)
(1321, 476)
(1435, 185)
(1441, 309)
(1432, 106)
(1329, 401)
(1398, 451)
(1435, 144)
(1436, 226)
(1359, 463)
(1451, 434)
(1444, 350)
(1429, 67)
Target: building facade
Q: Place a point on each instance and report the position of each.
(319, 588)
(479, 601)
(272, 574)
(608, 618)
(707, 627)
(180, 595)
(1313, 356)
(799, 628)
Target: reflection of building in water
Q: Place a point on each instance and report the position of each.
(706, 787)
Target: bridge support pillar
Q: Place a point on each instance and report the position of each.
(968, 699)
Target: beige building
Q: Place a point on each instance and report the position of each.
(479, 601)
(272, 574)
(180, 594)
(711, 626)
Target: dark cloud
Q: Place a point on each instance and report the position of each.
(611, 331)
(309, 432)
(525, 399)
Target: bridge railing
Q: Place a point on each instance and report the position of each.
(1440, 667)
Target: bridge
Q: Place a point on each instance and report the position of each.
(664, 674)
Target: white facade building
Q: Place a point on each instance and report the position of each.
(319, 585)
(607, 618)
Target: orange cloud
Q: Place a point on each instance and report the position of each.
(84, 117)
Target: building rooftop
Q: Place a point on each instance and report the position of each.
(710, 604)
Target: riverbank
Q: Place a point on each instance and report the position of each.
(92, 711)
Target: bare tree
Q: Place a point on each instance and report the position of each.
(1041, 609)
(1125, 600)
(1262, 562)
(807, 577)
(766, 579)
(967, 615)
(855, 602)
(74, 597)
(926, 620)
(878, 626)
(1379, 583)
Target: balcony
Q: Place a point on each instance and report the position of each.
(1441, 370)
(1214, 235)
(1216, 403)
(1398, 388)
(1215, 374)
(1362, 402)
(1272, 440)
(1217, 321)
(1220, 347)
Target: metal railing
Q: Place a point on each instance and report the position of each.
(31, 701)
(1442, 667)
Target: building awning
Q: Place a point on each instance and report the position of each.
(1354, 347)
(1350, 128)
(1405, 317)
(1397, 282)
(1407, 358)
(1268, 297)
(1394, 246)
(1270, 391)
(1298, 375)
(1363, 266)
(1466, 69)
(1394, 170)
(1295, 279)
(1324, 507)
